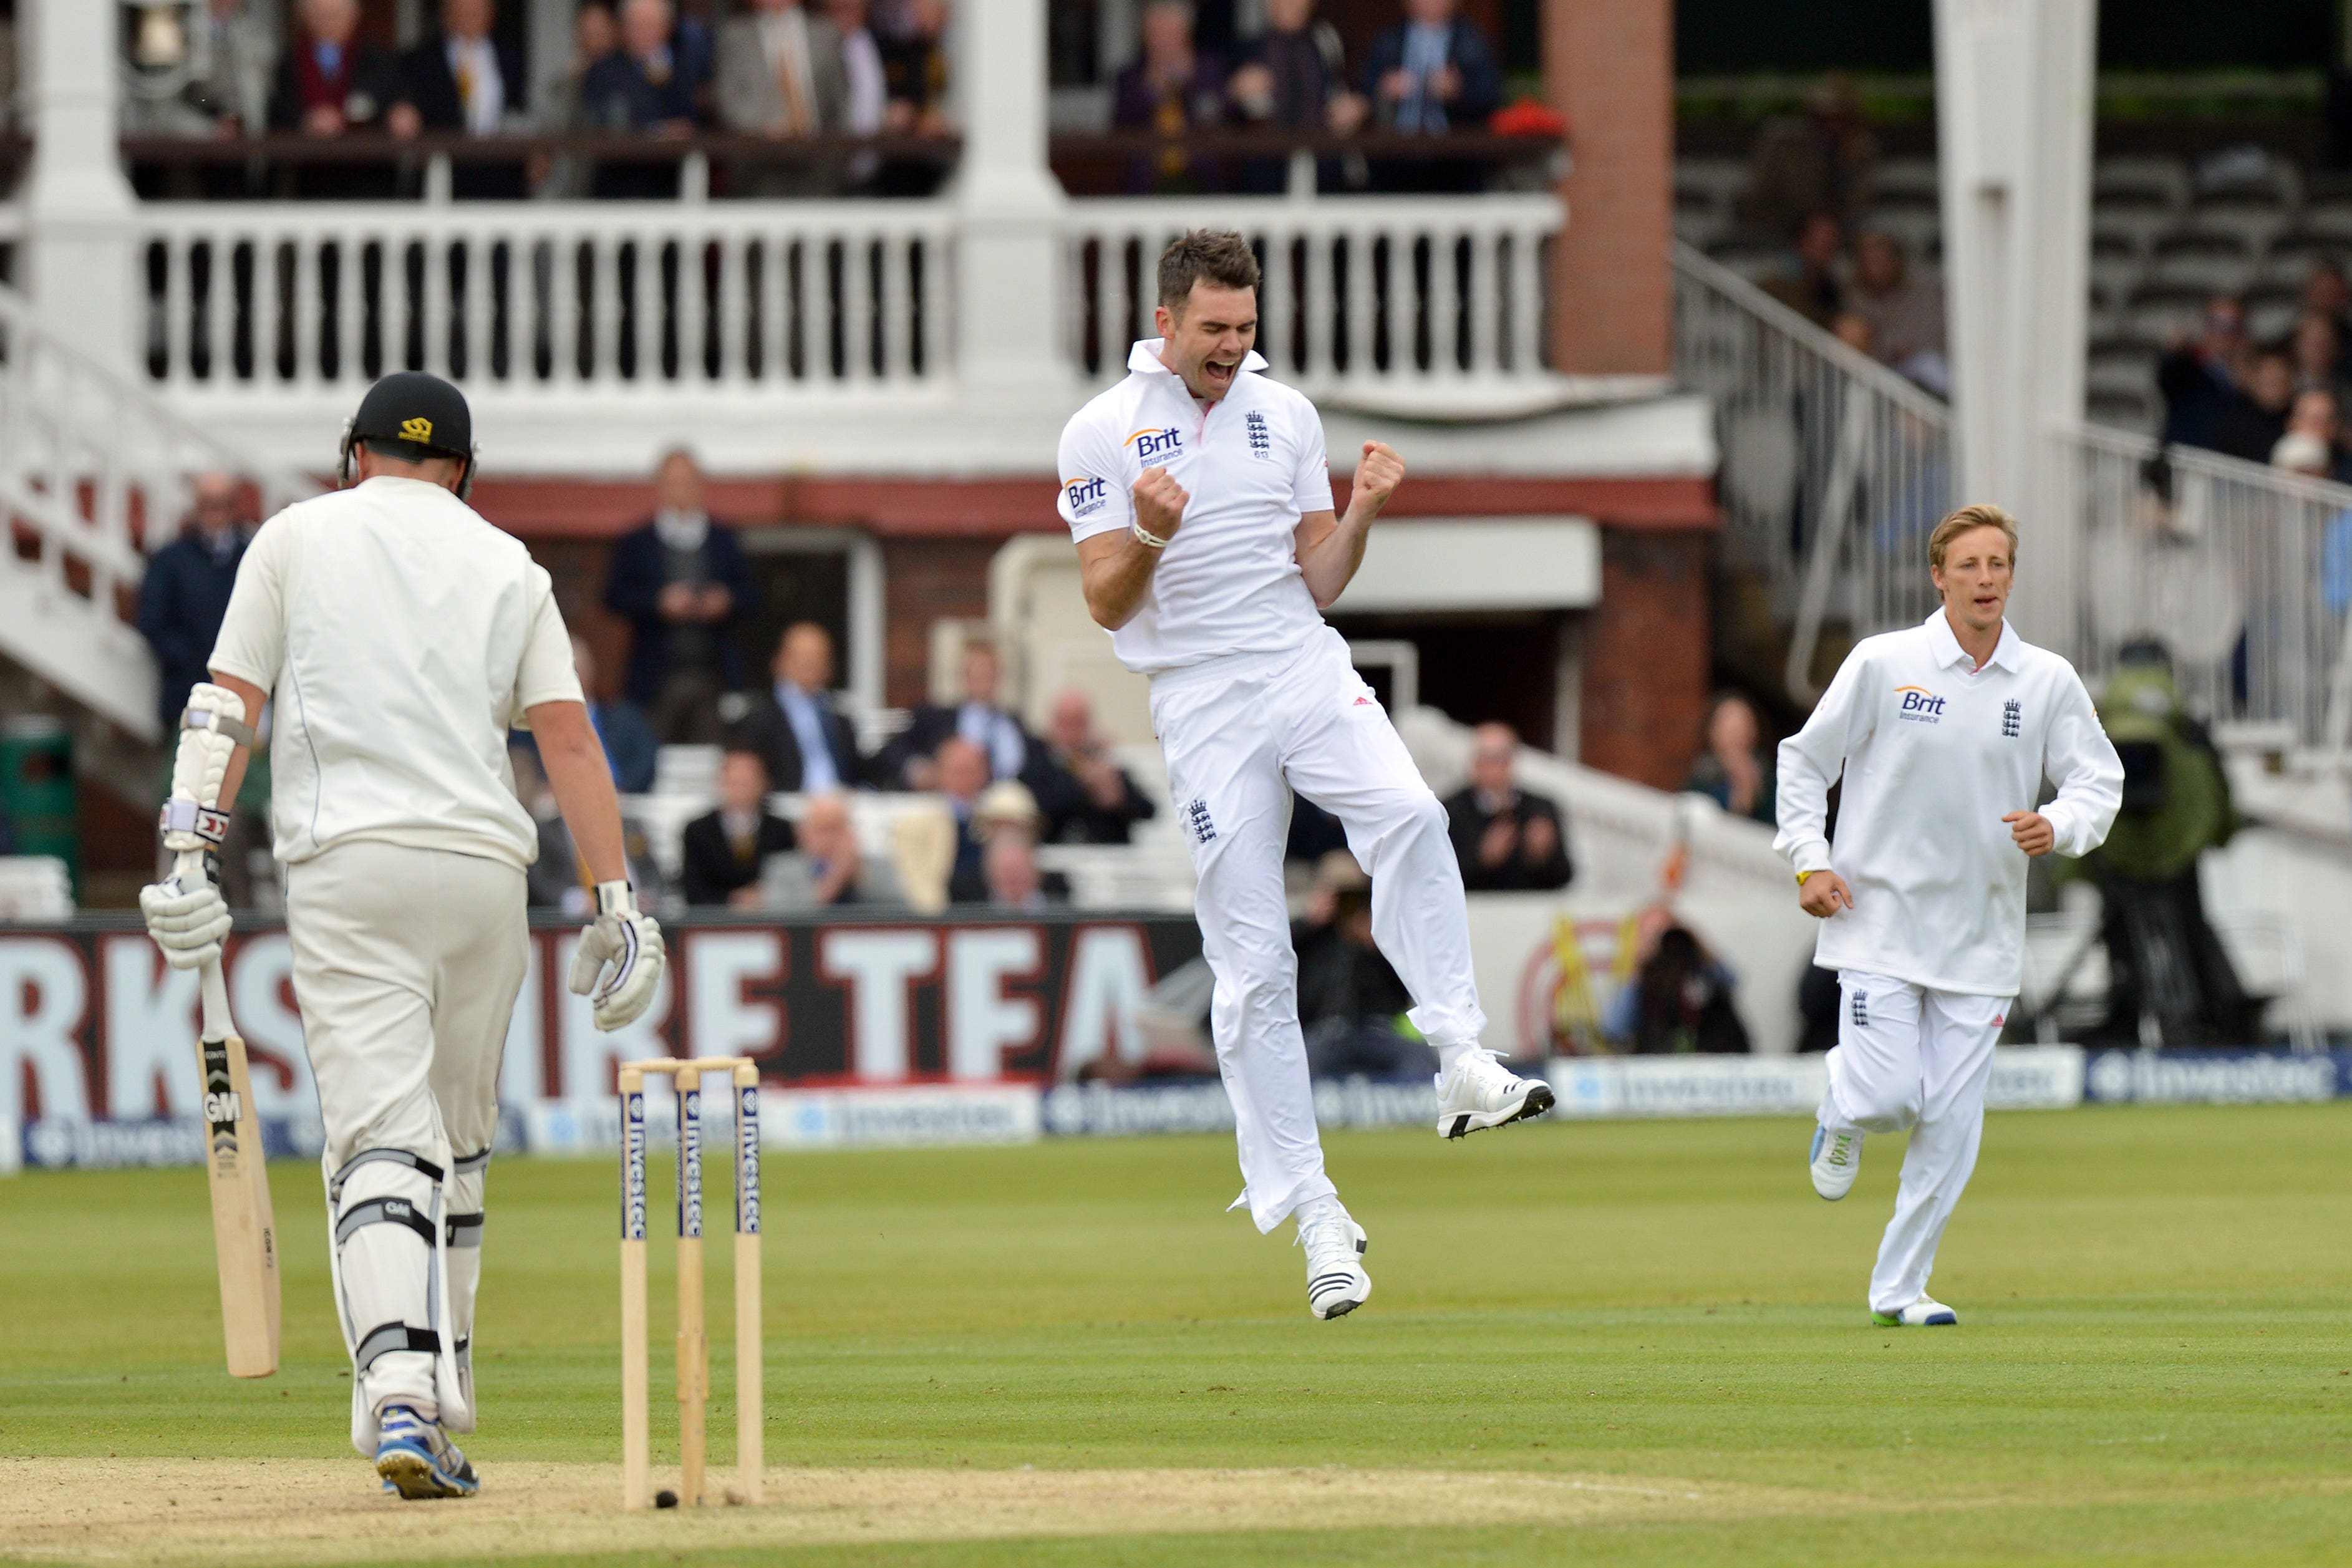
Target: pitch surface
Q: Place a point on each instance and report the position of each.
(1620, 1342)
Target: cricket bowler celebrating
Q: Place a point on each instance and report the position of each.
(1200, 497)
(1945, 734)
(402, 635)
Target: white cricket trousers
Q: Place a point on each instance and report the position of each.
(1239, 733)
(406, 965)
(1910, 1057)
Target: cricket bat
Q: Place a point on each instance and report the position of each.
(244, 1232)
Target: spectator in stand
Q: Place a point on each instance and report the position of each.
(781, 76)
(723, 854)
(230, 98)
(915, 82)
(1905, 311)
(2198, 376)
(463, 79)
(1295, 78)
(630, 746)
(1007, 821)
(1086, 796)
(907, 762)
(331, 83)
(1506, 839)
(185, 591)
(1172, 88)
(1810, 285)
(960, 769)
(2313, 442)
(868, 108)
(2329, 294)
(1008, 864)
(793, 725)
(1680, 999)
(837, 872)
(2315, 349)
(595, 34)
(1431, 73)
(1817, 162)
(683, 582)
(649, 84)
(2251, 423)
(1351, 1005)
(1735, 771)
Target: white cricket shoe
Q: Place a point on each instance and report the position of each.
(1336, 1281)
(1926, 1312)
(1481, 1092)
(1837, 1161)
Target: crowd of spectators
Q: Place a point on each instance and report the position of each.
(2277, 401)
(1430, 73)
(779, 70)
(1869, 293)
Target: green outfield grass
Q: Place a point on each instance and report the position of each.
(2155, 1364)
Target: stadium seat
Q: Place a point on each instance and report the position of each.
(2140, 183)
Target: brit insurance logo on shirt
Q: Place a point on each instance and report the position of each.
(1919, 705)
(1152, 445)
(1087, 496)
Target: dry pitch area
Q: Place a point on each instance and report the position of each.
(1622, 1343)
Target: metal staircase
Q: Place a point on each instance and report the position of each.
(93, 473)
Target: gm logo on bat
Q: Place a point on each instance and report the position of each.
(223, 1108)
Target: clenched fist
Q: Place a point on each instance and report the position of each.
(1160, 503)
(1376, 476)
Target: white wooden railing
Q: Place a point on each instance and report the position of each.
(800, 298)
(1379, 295)
(93, 471)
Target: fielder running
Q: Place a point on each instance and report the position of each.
(402, 635)
(1945, 734)
(1199, 494)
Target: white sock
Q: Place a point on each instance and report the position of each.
(1449, 1055)
(1307, 1212)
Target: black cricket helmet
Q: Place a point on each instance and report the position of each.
(413, 415)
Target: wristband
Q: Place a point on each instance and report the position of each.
(616, 898)
(1146, 538)
(181, 815)
(1800, 877)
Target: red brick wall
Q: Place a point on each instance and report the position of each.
(1609, 67)
(924, 580)
(1647, 655)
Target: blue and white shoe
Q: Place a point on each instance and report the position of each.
(416, 1459)
(1837, 1161)
(1926, 1312)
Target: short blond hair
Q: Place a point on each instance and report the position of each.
(1983, 514)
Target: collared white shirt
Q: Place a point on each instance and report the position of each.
(478, 60)
(682, 529)
(1934, 754)
(805, 714)
(783, 37)
(869, 88)
(1253, 464)
(403, 637)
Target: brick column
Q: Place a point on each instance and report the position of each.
(1647, 655)
(1608, 66)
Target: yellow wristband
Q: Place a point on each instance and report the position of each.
(1800, 877)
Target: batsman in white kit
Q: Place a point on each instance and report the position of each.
(1946, 735)
(1199, 494)
(402, 635)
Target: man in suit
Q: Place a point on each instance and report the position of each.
(652, 83)
(465, 80)
(629, 743)
(683, 582)
(185, 594)
(1429, 74)
(1086, 797)
(804, 741)
(725, 852)
(331, 83)
(1507, 839)
(781, 76)
(907, 762)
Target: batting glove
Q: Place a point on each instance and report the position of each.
(189, 923)
(630, 943)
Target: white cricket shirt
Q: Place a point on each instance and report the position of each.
(402, 637)
(1934, 755)
(1253, 463)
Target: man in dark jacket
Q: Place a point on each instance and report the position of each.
(1086, 797)
(465, 78)
(909, 761)
(1427, 75)
(723, 854)
(331, 83)
(186, 592)
(793, 725)
(653, 83)
(683, 582)
(1506, 839)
